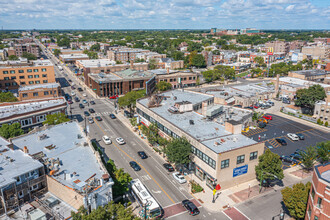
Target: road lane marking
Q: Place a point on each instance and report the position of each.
(139, 164)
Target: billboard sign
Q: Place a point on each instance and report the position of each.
(240, 170)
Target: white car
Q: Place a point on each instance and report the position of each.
(106, 140)
(293, 137)
(84, 94)
(90, 120)
(120, 140)
(178, 177)
(73, 93)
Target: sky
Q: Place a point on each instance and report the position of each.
(164, 14)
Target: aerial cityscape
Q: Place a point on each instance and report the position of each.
(139, 109)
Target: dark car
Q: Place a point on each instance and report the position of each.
(86, 113)
(288, 159)
(92, 102)
(281, 141)
(168, 167)
(76, 99)
(91, 110)
(72, 87)
(298, 151)
(238, 106)
(262, 125)
(81, 106)
(300, 136)
(80, 89)
(70, 80)
(134, 165)
(249, 107)
(191, 208)
(142, 154)
(286, 101)
(98, 118)
(296, 156)
(127, 114)
(112, 116)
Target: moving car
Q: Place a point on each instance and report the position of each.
(106, 140)
(92, 102)
(255, 106)
(142, 154)
(281, 141)
(73, 93)
(76, 99)
(81, 106)
(301, 137)
(268, 117)
(84, 101)
(288, 159)
(90, 120)
(178, 177)
(80, 89)
(84, 94)
(120, 140)
(86, 113)
(91, 110)
(134, 165)
(168, 167)
(293, 137)
(98, 118)
(191, 208)
(112, 116)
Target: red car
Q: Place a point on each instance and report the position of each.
(268, 117)
(255, 107)
(113, 97)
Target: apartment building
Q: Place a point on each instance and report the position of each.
(178, 79)
(318, 205)
(16, 74)
(278, 46)
(317, 52)
(322, 109)
(297, 44)
(222, 155)
(124, 54)
(32, 48)
(39, 91)
(164, 63)
(22, 177)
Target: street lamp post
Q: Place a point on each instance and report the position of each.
(85, 126)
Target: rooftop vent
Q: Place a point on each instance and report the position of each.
(191, 122)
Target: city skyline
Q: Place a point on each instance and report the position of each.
(174, 14)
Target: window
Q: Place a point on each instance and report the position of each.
(224, 164)
(319, 202)
(13, 77)
(36, 76)
(18, 180)
(30, 76)
(26, 122)
(190, 78)
(6, 78)
(23, 83)
(35, 94)
(31, 82)
(313, 193)
(254, 155)
(29, 71)
(25, 95)
(20, 194)
(12, 71)
(7, 84)
(38, 82)
(240, 159)
(35, 70)
(44, 75)
(41, 118)
(43, 70)
(14, 84)
(21, 71)
(45, 81)
(316, 218)
(22, 77)
(309, 212)
(46, 93)
(34, 187)
(5, 72)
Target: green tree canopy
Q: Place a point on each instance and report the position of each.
(295, 199)
(178, 151)
(163, 86)
(129, 100)
(12, 57)
(91, 54)
(63, 41)
(57, 52)
(198, 61)
(259, 60)
(269, 166)
(7, 97)
(29, 56)
(308, 157)
(178, 55)
(152, 64)
(219, 72)
(9, 131)
(95, 47)
(323, 151)
(54, 119)
(307, 97)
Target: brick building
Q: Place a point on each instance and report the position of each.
(164, 63)
(73, 57)
(318, 205)
(278, 46)
(317, 52)
(39, 91)
(124, 54)
(32, 48)
(322, 109)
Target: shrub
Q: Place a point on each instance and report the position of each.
(195, 187)
(326, 124)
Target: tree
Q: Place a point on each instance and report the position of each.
(256, 72)
(219, 72)
(323, 151)
(63, 42)
(29, 56)
(308, 157)
(57, 52)
(12, 57)
(152, 64)
(178, 151)
(307, 97)
(91, 54)
(122, 181)
(9, 131)
(259, 60)
(269, 166)
(7, 97)
(198, 61)
(295, 199)
(95, 47)
(163, 86)
(178, 55)
(54, 119)
(129, 100)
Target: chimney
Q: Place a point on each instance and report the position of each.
(26, 150)
(168, 70)
(277, 84)
(204, 108)
(131, 64)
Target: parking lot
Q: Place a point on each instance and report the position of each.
(279, 127)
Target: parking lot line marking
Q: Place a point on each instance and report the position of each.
(290, 140)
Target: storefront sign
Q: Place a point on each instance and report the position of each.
(240, 170)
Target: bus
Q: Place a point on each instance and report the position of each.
(150, 207)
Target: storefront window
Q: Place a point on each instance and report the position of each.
(200, 173)
(210, 181)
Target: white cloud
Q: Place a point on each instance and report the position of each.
(289, 8)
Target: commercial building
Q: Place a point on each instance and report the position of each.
(32, 48)
(17, 74)
(39, 91)
(75, 173)
(317, 52)
(30, 113)
(221, 154)
(315, 75)
(164, 63)
(73, 57)
(22, 177)
(69, 51)
(322, 109)
(124, 54)
(278, 46)
(178, 79)
(318, 205)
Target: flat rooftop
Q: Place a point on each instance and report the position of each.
(16, 108)
(24, 63)
(67, 142)
(38, 86)
(14, 163)
(104, 78)
(205, 131)
(134, 74)
(97, 63)
(292, 80)
(314, 72)
(74, 56)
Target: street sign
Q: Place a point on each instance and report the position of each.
(218, 187)
(214, 191)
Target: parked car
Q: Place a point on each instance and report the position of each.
(106, 140)
(301, 137)
(80, 89)
(142, 154)
(113, 97)
(84, 101)
(70, 80)
(86, 113)
(134, 165)
(296, 156)
(91, 110)
(191, 208)
(271, 103)
(84, 94)
(112, 116)
(76, 99)
(255, 106)
(90, 120)
(238, 106)
(168, 167)
(293, 137)
(178, 177)
(286, 101)
(98, 118)
(127, 114)
(249, 107)
(92, 102)
(268, 117)
(81, 106)
(73, 93)
(298, 151)
(72, 87)
(120, 140)
(288, 159)
(281, 141)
